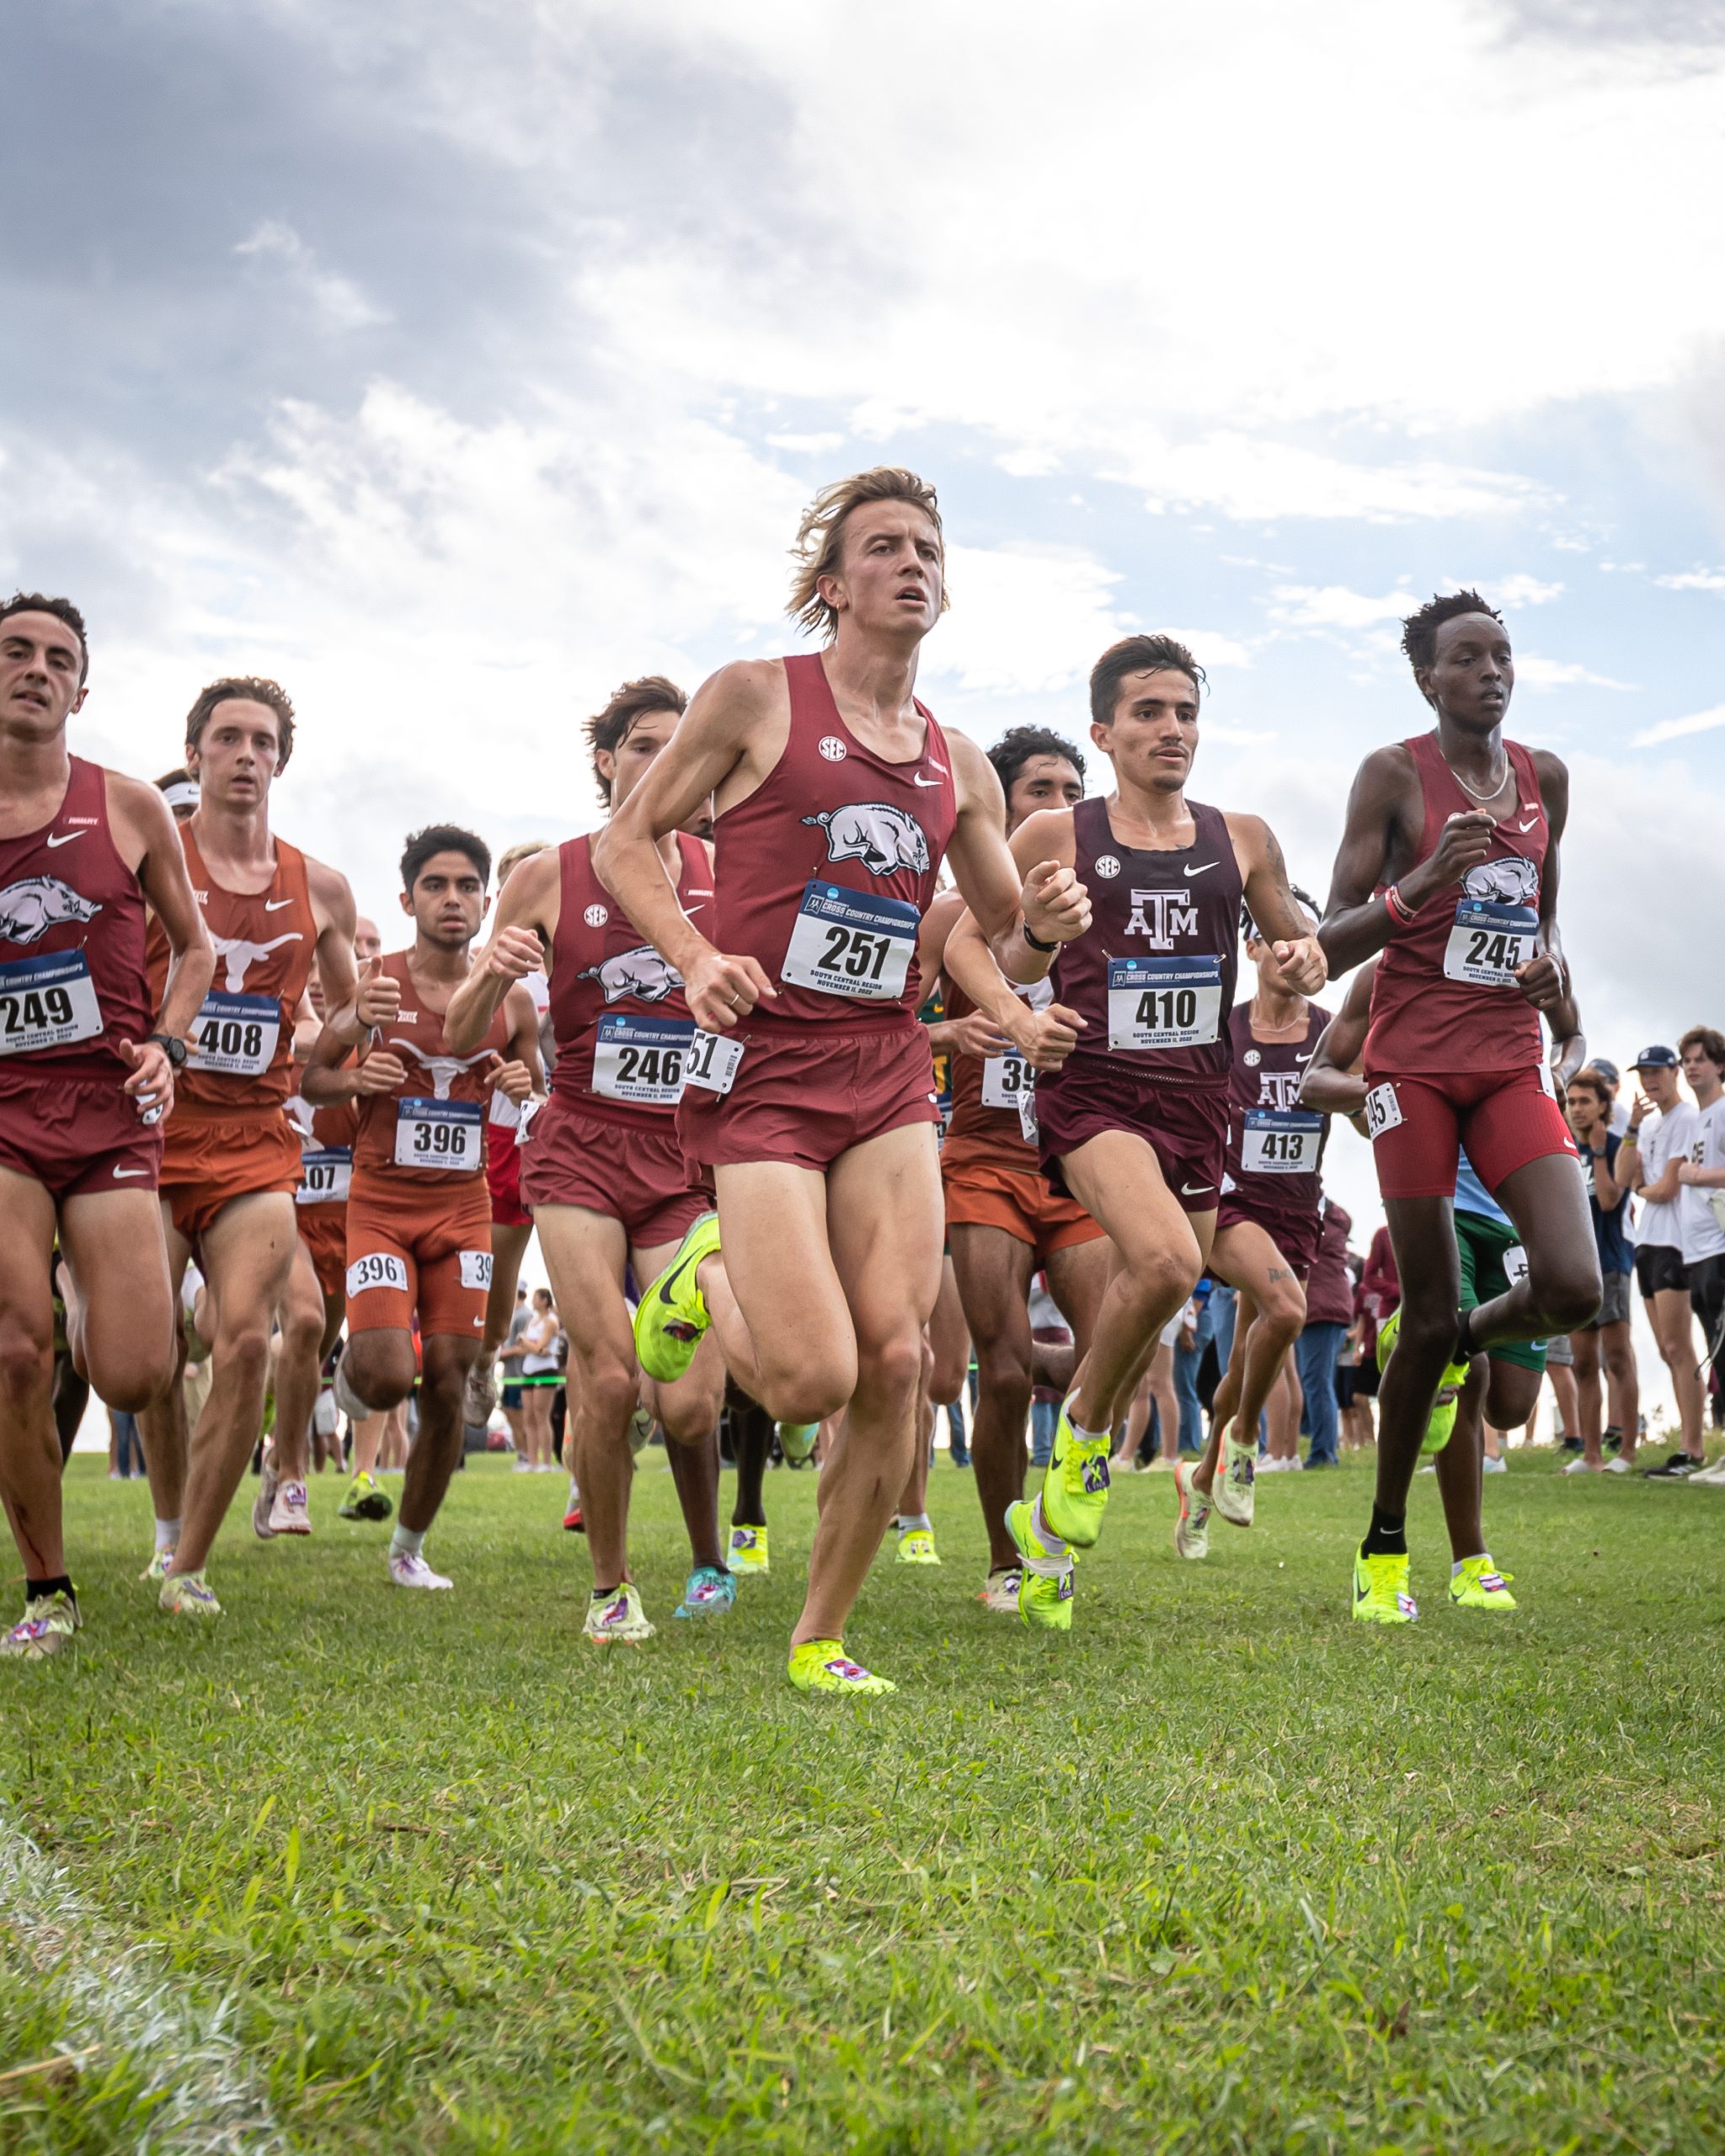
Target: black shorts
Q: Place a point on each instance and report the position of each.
(1347, 1378)
(1366, 1377)
(1658, 1266)
(1707, 1298)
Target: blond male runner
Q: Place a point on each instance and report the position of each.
(1133, 1123)
(810, 1095)
(84, 1083)
(231, 1163)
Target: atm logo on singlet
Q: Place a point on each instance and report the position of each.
(1160, 916)
(1278, 1089)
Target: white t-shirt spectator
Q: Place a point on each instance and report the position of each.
(1703, 1234)
(1666, 1136)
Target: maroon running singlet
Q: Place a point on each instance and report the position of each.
(824, 874)
(1275, 1147)
(1454, 1054)
(1154, 976)
(73, 985)
(606, 1138)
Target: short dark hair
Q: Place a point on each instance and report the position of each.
(1594, 1084)
(248, 689)
(1419, 631)
(1248, 926)
(1019, 743)
(1138, 655)
(1708, 1039)
(608, 730)
(62, 610)
(442, 838)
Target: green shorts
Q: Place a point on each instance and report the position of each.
(1482, 1246)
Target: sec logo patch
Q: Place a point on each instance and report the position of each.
(596, 916)
(833, 749)
(1106, 865)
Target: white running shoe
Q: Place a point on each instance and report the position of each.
(641, 1429)
(1617, 1464)
(1000, 1592)
(479, 1396)
(1192, 1521)
(1581, 1464)
(1232, 1493)
(407, 1568)
(1489, 1465)
(288, 1515)
(1714, 1477)
(265, 1502)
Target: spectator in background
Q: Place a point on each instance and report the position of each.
(1329, 1312)
(1617, 1115)
(1662, 1127)
(1196, 1335)
(1702, 1175)
(1381, 1284)
(1607, 1339)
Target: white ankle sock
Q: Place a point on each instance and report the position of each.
(167, 1534)
(405, 1543)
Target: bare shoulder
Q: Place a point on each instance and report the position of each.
(1047, 835)
(1552, 772)
(741, 692)
(140, 821)
(331, 894)
(1385, 773)
(529, 883)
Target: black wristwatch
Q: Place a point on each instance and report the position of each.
(172, 1047)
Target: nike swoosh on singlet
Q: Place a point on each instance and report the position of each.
(1307, 1057)
(1199, 872)
(64, 838)
(274, 906)
(916, 779)
(1529, 824)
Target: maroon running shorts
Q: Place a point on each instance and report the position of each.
(503, 1177)
(1504, 1119)
(1186, 1127)
(76, 1136)
(806, 1094)
(633, 1173)
(1296, 1234)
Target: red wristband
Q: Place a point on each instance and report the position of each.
(1401, 912)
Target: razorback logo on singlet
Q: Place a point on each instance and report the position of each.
(881, 837)
(239, 956)
(1513, 881)
(30, 909)
(641, 974)
(1160, 916)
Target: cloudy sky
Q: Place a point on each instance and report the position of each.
(454, 362)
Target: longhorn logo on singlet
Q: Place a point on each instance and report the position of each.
(30, 909)
(881, 837)
(240, 956)
(1160, 916)
(1512, 881)
(640, 972)
(445, 1069)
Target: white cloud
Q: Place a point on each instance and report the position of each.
(815, 445)
(1675, 729)
(1210, 647)
(1024, 619)
(1521, 589)
(338, 299)
(1532, 672)
(1694, 580)
(1334, 606)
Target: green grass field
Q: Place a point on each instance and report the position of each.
(1222, 1870)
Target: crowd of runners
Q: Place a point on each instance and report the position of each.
(837, 1046)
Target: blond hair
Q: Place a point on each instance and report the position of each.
(820, 535)
(513, 856)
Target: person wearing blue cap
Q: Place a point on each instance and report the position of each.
(1662, 1130)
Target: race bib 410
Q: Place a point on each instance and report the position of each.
(1157, 1003)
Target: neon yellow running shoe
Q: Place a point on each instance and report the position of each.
(1074, 1484)
(1234, 1489)
(1380, 1595)
(156, 1570)
(48, 1622)
(188, 1594)
(1046, 1586)
(1479, 1585)
(822, 1666)
(672, 1316)
(616, 1618)
(1192, 1521)
(1441, 1428)
(916, 1546)
(747, 1555)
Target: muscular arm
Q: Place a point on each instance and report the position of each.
(332, 904)
(1271, 905)
(523, 1022)
(1044, 1038)
(1332, 1084)
(713, 737)
(522, 925)
(1006, 893)
(1377, 847)
(160, 871)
